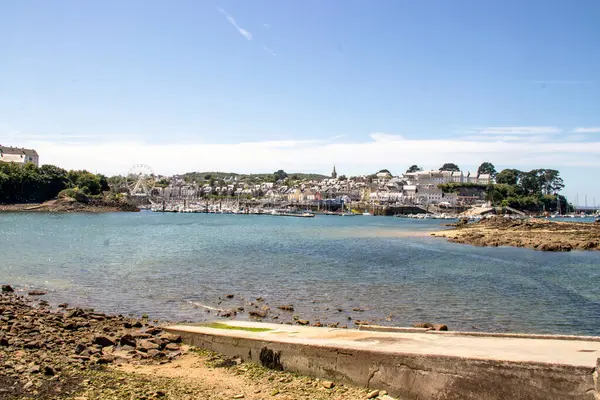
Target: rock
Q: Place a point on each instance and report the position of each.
(36, 369)
(440, 327)
(229, 296)
(145, 345)
(258, 313)
(170, 337)
(426, 325)
(328, 384)
(265, 308)
(105, 359)
(318, 324)
(36, 293)
(127, 340)
(63, 305)
(373, 394)
(103, 341)
(286, 307)
(238, 396)
(7, 289)
(382, 393)
(4, 342)
(358, 309)
(228, 313)
(154, 331)
(359, 322)
(49, 371)
(302, 322)
(80, 348)
(172, 347)
(386, 397)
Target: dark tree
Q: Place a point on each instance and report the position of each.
(414, 168)
(487, 168)
(450, 167)
(280, 175)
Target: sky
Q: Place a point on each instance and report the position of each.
(257, 86)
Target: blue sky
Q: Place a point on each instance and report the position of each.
(262, 85)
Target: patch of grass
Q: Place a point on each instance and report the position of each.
(219, 325)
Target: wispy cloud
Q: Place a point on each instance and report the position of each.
(520, 130)
(266, 26)
(269, 50)
(231, 20)
(595, 129)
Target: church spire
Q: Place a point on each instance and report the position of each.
(334, 174)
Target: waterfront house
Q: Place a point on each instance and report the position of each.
(19, 155)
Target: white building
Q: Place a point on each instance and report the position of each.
(19, 155)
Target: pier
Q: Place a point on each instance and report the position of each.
(416, 363)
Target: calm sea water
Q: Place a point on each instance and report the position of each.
(166, 264)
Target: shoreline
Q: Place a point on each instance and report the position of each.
(535, 234)
(69, 352)
(69, 206)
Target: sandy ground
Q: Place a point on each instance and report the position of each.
(531, 233)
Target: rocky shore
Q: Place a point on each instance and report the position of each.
(68, 205)
(536, 234)
(81, 354)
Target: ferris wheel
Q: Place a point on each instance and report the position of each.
(140, 180)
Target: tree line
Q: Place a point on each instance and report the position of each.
(31, 184)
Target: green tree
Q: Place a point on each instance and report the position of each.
(89, 183)
(279, 175)
(487, 168)
(342, 178)
(450, 167)
(509, 176)
(414, 168)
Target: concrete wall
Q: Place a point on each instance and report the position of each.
(412, 376)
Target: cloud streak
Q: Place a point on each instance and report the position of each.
(231, 20)
(595, 129)
(520, 130)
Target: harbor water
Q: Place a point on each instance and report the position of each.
(180, 266)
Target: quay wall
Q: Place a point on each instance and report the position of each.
(411, 376)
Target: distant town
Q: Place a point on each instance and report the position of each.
(447, 187)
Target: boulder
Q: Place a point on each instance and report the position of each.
(440, 327)
(258, 313)
(170, 337)
(103, 341)
(286, 307)
(127, 340)
(145, 345)
(425, 325)
(36, 293)
(229, 296)
(7, 289)
(302, 321)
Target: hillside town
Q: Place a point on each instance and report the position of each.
(410, 188)
(416, 189)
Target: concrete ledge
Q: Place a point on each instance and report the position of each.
(414, 365)
(383, 328)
